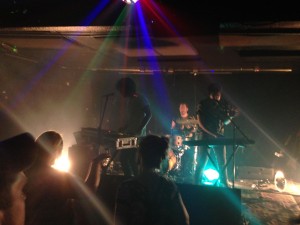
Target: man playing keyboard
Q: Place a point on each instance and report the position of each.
(213, 114)
(137, 115)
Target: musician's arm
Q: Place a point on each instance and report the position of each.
(173, 124)
(233, 112)
(147, 117)
(92, 179)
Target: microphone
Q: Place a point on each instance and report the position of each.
(109, 94)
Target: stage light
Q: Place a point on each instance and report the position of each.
(280, 181)
(210, 176)
(62, 163)
(130, 1)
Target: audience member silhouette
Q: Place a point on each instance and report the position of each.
(150, 198)
(49, 191)
(16, 154)
(213, 114)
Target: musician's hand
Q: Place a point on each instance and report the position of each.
(212, 135)
(100, 158)
(189, 135)
(233, 112)
(279, 154)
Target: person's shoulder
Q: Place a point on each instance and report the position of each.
(167, 182)
(207, 102)
(203, 102)
(129, 188)
(129, 183)
(168, 187)
(139, 95)
(48, 181)
(191, 117)
(51, 171)
(141, 98)
(52, 176)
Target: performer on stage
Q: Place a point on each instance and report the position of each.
(184, 128)
(213, 114)
(137, 114)
(181, 123)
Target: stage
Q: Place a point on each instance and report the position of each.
(264, 204)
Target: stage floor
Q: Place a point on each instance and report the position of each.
(264, 204)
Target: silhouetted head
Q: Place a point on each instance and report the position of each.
(126, 86)
(152, 150)
(50, 145)
(16, 154)
(215, 91)
(214, 88)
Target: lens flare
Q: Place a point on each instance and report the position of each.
(62, 163)
(130, 1)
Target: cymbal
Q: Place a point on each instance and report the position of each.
(187, 121)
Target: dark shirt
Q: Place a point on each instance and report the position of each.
(150, 199)
(135, 115)
(212, 116)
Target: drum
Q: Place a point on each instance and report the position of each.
(176, 141)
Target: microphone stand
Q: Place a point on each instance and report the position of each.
(100, 130)
(234, 144)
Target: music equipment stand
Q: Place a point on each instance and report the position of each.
(235, 142)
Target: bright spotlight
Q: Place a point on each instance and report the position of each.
(210, 176)
(130, 1)
(280, 181)
(62, 163)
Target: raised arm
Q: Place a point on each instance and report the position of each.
(94, 173)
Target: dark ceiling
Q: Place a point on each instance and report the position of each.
(219, 38)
